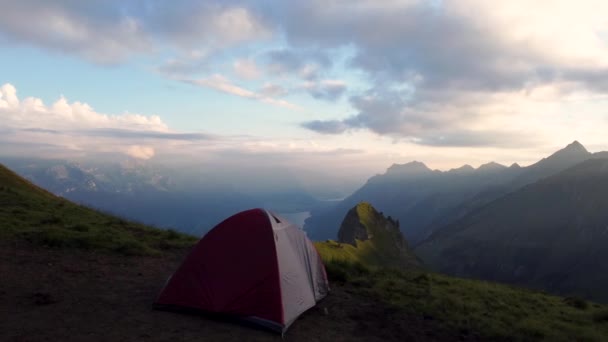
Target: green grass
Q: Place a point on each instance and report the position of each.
(335, 251)
(35, 215)
(487, 310)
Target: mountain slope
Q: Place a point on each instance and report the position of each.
(30, 213)
(547, 235)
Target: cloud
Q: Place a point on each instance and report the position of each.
(112, 31)
(133, 134)
(223, 84)
(184, 65)
(457, 72)
(190, 24)
(327, 126)
(32, 112)
(414, 70)
(329, 90)
(307, 64)
(140, 152)
(273, 90)
(99, 33)
(463, 122)
(76, 126)
(469, 138)
(247, 69)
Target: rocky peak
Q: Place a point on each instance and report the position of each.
(573, 149)
(466, 168)
(411, 168)
(369, 230)
(491, 166)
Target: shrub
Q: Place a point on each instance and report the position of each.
(171, 234)
(49, 220)
(365, 282)
(601, 316)
(576, 302)
(131, 247)
(80, 227)
(336, 271)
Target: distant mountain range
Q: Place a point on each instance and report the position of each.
(155, 195)
(426, 200)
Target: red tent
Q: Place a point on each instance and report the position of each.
(255, 266)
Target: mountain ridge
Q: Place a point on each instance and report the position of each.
(427, 200)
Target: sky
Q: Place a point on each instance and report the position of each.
(345, 88)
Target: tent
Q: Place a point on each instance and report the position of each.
(254, 266)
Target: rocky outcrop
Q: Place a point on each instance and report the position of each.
(378, 236)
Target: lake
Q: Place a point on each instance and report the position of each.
(297, 218)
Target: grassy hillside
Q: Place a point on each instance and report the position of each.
(30, 213)
(475, 309)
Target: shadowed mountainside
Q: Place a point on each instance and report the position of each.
(550, 235)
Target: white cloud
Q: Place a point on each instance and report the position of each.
(63, 115)
(76, 126)
(223, 84)
(140, 152)
(558, 32)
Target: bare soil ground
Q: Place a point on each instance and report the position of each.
(71, 295)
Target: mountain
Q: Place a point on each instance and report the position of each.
(569, 156)
(188, 201)
(551, 235)
(491, 167)
(367, 236)
(417, 196)
(425, 200)
(411, 169)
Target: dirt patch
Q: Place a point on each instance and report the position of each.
(57, 295)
